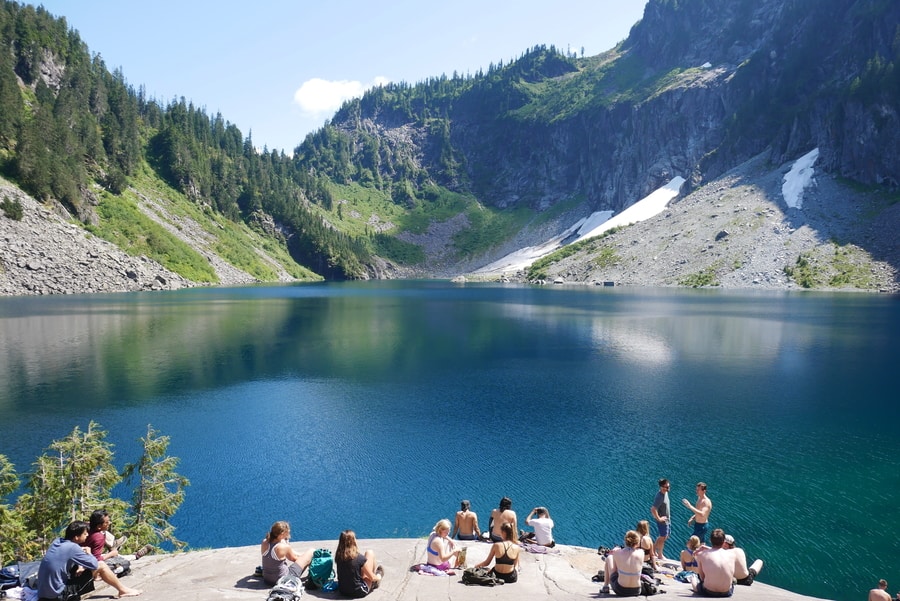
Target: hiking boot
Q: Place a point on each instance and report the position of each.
(145, 550)
(119, 542)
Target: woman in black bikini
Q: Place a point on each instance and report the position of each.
(643, 529)
(505, 555)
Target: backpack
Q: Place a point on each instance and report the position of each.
(119, 565)
(288, 588)
(321, 569)
(19, 574)
(480, 576)
(649, 586)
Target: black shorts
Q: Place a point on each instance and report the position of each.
(508, 578)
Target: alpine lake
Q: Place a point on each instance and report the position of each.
(378, 406)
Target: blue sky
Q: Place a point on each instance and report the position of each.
(280, 68)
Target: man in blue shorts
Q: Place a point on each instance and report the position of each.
(660, 512)
(701, 511)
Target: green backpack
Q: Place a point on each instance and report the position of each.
(321, 569)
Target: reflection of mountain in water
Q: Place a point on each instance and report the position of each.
(122, 349)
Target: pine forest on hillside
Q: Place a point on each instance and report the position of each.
(504, 148)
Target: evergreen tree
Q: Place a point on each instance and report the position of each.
(10, 102)
(15, 540)
(158, 494)
(72, 479)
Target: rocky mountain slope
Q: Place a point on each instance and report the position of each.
(42, 253)
(738, 232)
(443, 177)
(698, 88)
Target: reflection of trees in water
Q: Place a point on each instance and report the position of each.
(93, 352)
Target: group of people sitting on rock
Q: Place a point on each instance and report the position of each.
(718, 567)
(358, 574)
(466, 524)
(80, 556)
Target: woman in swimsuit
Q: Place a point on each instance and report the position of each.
(505, 555)
(441, 549)
(643, 529)
(466, 526)
(278, 557)
(689, 555)
(623, 568)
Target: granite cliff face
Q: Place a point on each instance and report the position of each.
(697, 88)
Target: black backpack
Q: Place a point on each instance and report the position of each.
(649, 585)
(480, 576)
(19, 574)
(119, 566)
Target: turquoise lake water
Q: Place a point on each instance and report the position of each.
(378, 406)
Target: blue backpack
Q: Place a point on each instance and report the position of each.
(321, 569)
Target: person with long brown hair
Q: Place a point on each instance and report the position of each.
(357, 573)
(646, 544)
(278, 556)
(505, 555)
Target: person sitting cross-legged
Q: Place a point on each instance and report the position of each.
(440, 551)
(539, 519)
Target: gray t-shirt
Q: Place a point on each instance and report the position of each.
(661, 502)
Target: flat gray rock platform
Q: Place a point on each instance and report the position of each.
(222, 574)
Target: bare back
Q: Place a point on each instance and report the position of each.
(716, 569)
(503, 517)
(466, 522)
(628, 563)
(740, 563)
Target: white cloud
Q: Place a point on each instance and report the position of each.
(320, 97)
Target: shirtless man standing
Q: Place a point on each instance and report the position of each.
(701, 512)
(716, 568)
(880, 593)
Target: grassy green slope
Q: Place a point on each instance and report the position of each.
(123, 223)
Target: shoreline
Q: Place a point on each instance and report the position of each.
(227, 573)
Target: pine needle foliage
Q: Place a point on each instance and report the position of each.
(158, 492)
